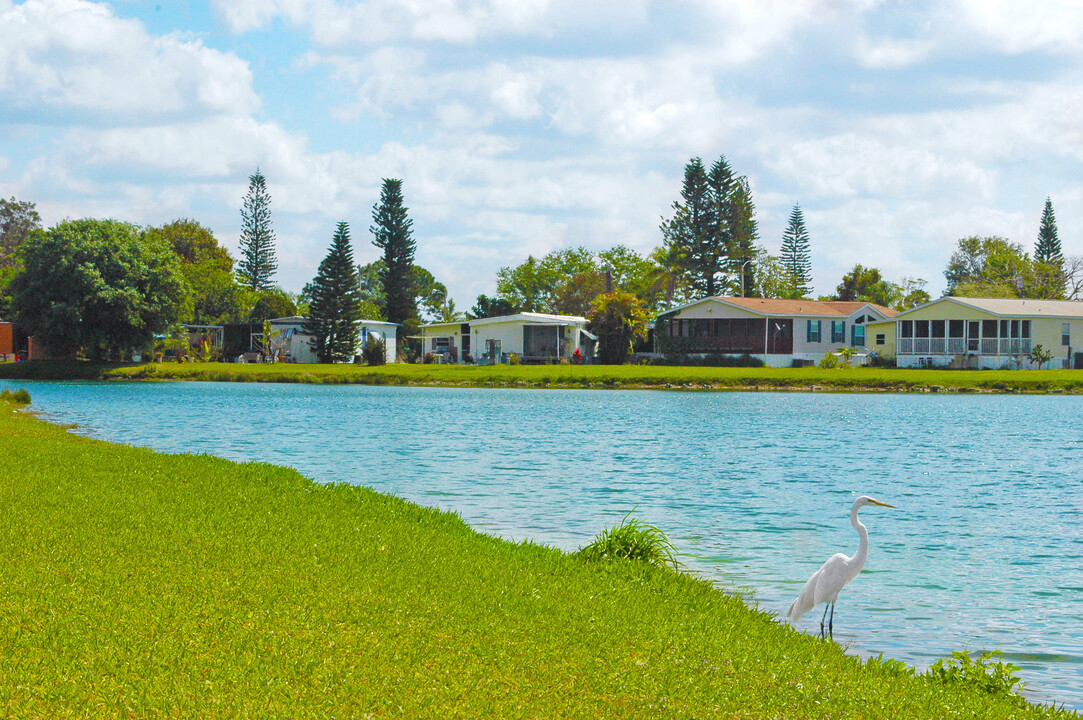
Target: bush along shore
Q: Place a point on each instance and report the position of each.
(139, 584)
(860, 379)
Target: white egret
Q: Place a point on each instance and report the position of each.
(833, 575)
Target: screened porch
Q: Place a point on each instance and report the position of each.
(962, 337)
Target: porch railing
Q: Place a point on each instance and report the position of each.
(959, 346)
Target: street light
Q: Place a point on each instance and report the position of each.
(741, 272)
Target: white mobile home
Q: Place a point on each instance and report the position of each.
(534, 337)
(295, 346)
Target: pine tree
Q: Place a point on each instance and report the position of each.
(690, 235)
(335, 305)
(257, 264)
(1048, 256)
(392, 233)
(743, 235)
(795, 253)
(1047, 250)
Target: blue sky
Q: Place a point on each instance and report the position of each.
(524, 126)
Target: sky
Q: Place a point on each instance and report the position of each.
(520, 127)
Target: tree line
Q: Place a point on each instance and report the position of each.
(103, 287)
(99, 286)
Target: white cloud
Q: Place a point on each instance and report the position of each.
(71, 58)
(1016, 27)
(885, 52)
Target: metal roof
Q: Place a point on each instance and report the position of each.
(1012, 307)
(789, 308)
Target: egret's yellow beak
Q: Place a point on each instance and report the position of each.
(877, 502)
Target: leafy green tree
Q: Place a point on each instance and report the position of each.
(271, 303)
(564, 281)
(392, 232)
(194, 244)
(795, 253)
(864, 284)
(335, 307)
(428, 293)
(99, 286)
(17, 220)
(372, 287)
(669, 278)
(995, 267)
(449, 314)
(486, 307)
(208, 269)
(913, 293)
(524, 286)
(258, 263)
(618, 319)
(771, 277)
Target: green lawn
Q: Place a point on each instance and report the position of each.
(604, 376)
(135, 584)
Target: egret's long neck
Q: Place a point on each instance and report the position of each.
(858, 561)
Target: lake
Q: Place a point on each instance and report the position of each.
(754, 489)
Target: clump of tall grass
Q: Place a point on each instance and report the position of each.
(16, 397)
(633, 539)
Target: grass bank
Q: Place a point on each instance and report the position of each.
(573, 376)
(137, 584)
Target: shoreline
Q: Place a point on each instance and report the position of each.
(584, 377)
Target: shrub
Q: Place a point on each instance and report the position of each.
(632, 540)
(427, 359)
(513, 359)
(995, 678)
(711, 360)
(16, 397)
(829, 361)
(374, 352)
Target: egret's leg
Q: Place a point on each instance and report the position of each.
(831, 623)
(822, 620)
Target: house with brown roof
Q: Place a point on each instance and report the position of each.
(779, 332)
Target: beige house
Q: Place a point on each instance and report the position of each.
(982, 333)
(778, 332)
(534, 337)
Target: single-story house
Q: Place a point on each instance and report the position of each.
(449, 340)
(294, 342)
(982, 333)
(779, 332)
(534, 337)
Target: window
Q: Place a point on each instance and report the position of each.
(907, 330)
(813, 335)
(1065, 334)
(857, 335)
(838, 331)
(988, 328)
(937, 328)
(921, 328)
(881, 339)
(955, 328)
(441, 343)
(1026, 328)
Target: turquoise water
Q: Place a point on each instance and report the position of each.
(754, 489)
